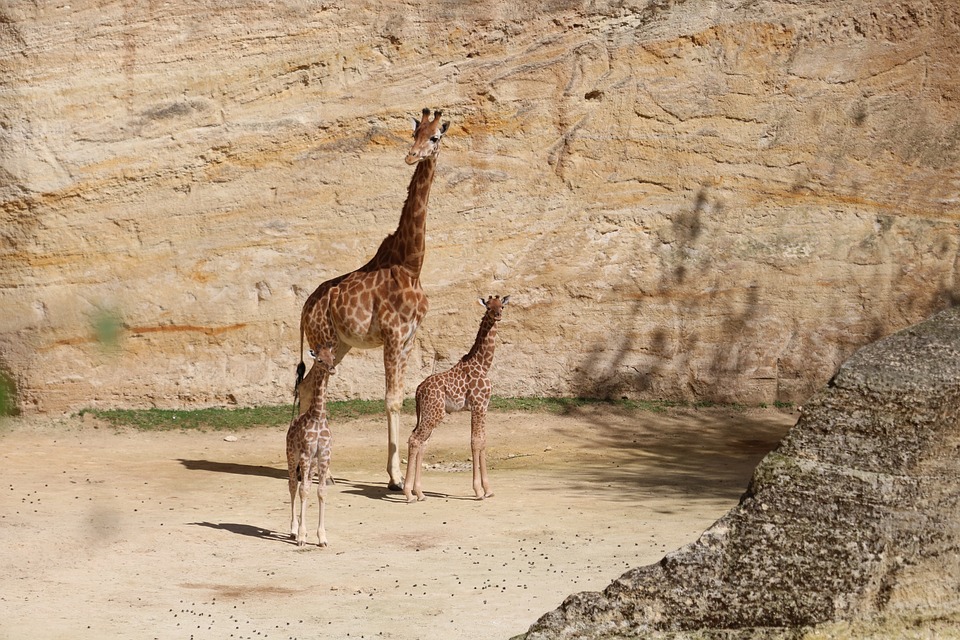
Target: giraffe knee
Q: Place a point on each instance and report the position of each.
(416, 437)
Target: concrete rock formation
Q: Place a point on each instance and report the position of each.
(851, 527)
(700, 199)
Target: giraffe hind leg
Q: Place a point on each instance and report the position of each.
(321, 500)
(303, 486)
(293, 471)
(412, 489)
(417, 482)
(294, 484)
(430, 417)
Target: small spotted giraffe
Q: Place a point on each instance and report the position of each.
(308, 449)
(465, 386)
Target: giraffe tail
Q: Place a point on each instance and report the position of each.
(301, 372)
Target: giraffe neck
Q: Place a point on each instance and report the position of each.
(407, 245)
(483, 346)
(318, 405)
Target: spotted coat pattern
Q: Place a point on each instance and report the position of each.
(466, 386)
(309, 445)
(382, 302)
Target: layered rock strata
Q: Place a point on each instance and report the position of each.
(708, 199)
(850, 528)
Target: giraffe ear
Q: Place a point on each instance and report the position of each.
(505, 300)
(444, 127)
(482, 301)
(416, 124)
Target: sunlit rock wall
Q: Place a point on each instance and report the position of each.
(715, 200)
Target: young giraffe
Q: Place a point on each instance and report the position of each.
(382, 303)
(308, 449)
(465, 386)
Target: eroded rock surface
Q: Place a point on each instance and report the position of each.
(850, 527)
(689, 200)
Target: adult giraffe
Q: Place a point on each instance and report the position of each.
(381, 303)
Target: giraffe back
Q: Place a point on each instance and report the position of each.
(460, 387)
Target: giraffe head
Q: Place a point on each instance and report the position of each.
(495, 305)
(325, 358)
(427, 133)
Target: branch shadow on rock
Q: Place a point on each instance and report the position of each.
(716, 329)
(724, 334)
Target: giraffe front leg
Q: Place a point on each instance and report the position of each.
(303, 486)
(393, 366)
(321, 499)
(302, 524)
(484, 479)
(294, 521)
(478, 448)
(477, 483)
(395, 482)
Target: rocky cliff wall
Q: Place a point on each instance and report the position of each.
(708, 199)
(850, 528)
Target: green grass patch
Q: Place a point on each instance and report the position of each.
(230, 419)
(213, 418)
(233, 419)
(8, 395)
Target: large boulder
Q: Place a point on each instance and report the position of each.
(852, 523)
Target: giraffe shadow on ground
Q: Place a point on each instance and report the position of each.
(249, 531)
(380, 492)
(233, 467)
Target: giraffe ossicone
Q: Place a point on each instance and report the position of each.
(382, 302)
(465, 386)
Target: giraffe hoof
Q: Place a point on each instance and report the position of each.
(395, 486)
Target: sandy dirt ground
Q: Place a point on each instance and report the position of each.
(110, 533)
